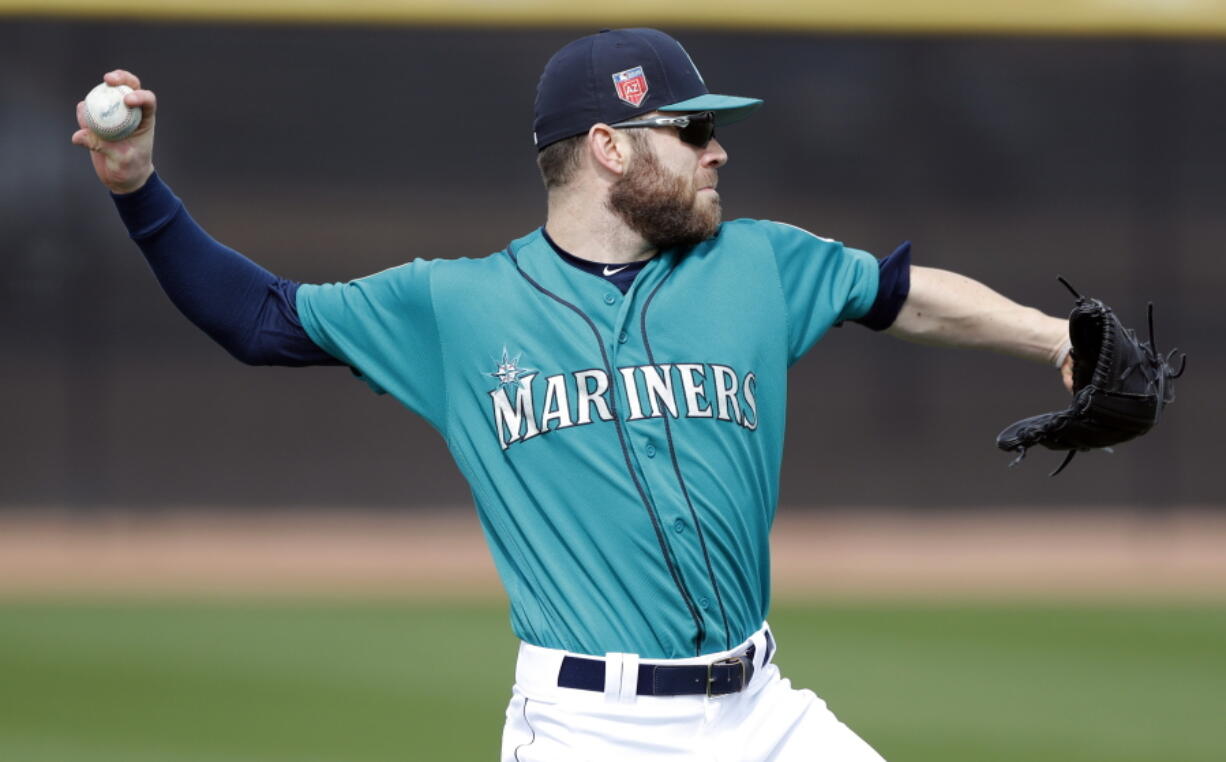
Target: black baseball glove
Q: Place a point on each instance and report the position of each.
(1120, 387)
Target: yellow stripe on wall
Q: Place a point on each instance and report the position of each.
(1092, 17)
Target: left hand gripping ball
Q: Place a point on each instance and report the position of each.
(106, 114)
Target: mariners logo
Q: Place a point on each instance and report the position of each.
(631, 85)
(509, 372)
(524, 405)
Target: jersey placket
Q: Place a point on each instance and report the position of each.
(649, 439)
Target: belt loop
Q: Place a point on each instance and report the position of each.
(613, 677)
(757, 647)
(630, 679)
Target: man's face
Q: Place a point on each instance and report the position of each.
(667, 193)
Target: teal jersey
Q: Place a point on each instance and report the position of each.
(623, 450)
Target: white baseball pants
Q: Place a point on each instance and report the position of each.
(769, 721)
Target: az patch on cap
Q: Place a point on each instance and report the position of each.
(631, 85)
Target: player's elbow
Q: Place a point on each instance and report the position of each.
(256, 350)
(919, 323)
(248, 355)
(242, 346)
(271, 347)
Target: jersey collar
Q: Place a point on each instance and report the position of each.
(537, 258)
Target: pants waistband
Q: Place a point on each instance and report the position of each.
(626, 676)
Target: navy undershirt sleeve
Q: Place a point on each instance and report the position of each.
(893, 285)
(249, 311)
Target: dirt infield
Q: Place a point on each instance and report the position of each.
(1180, 555)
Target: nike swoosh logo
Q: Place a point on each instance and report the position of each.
(607, 271)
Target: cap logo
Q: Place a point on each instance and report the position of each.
(631, 85)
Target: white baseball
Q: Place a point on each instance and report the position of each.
(106, 114)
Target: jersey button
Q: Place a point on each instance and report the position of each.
(650, 449)
(610, 299)
(679, 527)
(621, 337)
(704, 603)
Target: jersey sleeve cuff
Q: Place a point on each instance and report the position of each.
(893, 285)
(148, 209)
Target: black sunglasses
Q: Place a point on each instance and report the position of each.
(695, 129)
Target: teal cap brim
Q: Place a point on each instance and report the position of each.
(727, 108)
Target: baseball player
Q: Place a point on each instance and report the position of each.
(612, 385)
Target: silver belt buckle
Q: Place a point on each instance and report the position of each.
(722, 662)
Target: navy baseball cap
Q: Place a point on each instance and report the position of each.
(619, 74)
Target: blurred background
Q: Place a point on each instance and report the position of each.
(204, 561)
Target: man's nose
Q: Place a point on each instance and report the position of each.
(715, 155)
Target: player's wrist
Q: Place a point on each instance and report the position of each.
(131, 185)
(1060, 353)
(147, 209)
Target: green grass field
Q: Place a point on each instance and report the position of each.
(316, 681)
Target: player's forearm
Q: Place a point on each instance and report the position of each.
(948, 309)
(246, 309)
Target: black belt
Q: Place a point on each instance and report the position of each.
(725, 676)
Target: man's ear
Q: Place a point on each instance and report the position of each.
(608, 148)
